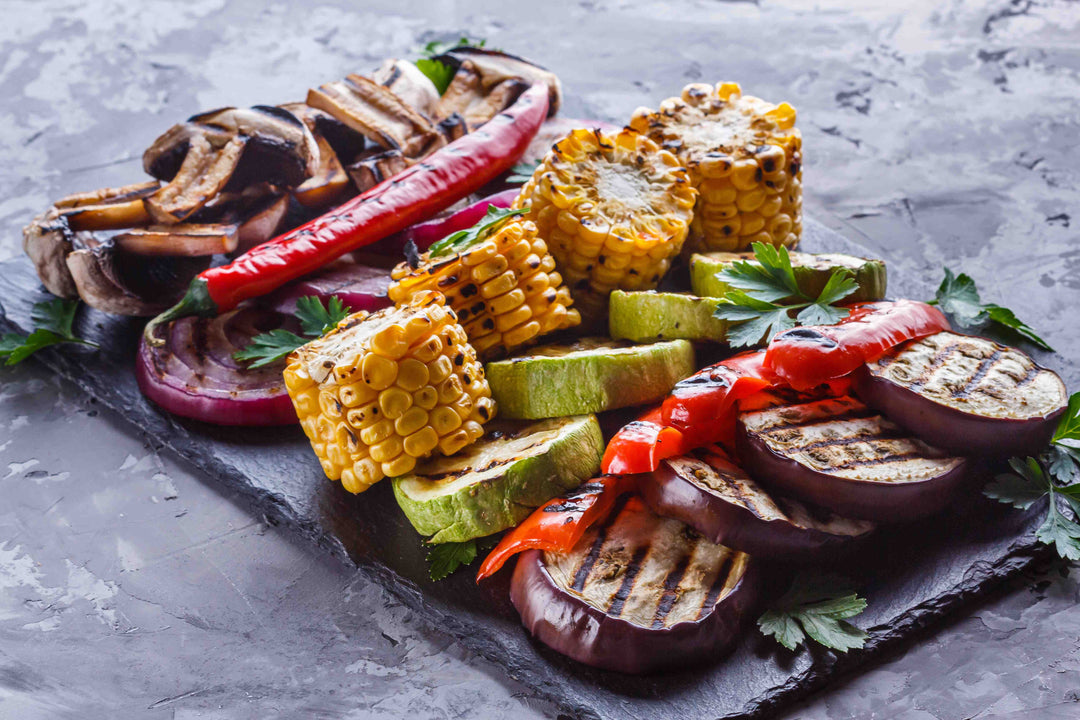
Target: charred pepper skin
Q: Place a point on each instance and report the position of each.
(430, 186)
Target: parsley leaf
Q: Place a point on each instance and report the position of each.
(765, 293)
(817, 606)
(522, 172)
(55, 320)
(315, 321)
(1059, 531)
(482, 230)
(958, 297)
(445, 558)
(438, 72)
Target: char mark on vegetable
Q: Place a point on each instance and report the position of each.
(582, 573)
(717, 587)
(937, 362)
(631, 572)
(882, 434)
(671, 592)
(856, 413)
(886, 460)
(984, 367)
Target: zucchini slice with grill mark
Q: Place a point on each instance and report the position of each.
(638, 593)
(718, 499)
(651, 316)
(966, 394)
(498, 481)
(588, 376)
(841, 455)
(812, 271)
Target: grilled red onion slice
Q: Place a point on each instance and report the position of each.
(195, 376)
(358, 286)
(638, 593)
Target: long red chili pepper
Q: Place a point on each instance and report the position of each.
(432, 185)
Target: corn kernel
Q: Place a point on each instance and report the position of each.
(379, 372)
(422, 442)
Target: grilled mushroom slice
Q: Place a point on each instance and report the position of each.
(966, 394)
(490, 73)
(227, 149)
(841, 455)
(717, 498)
(380, 115)
(330, 184)
(405, 80)
(182, 240)
(346, 142)
(638, 593)
(369, 171)
(125, 283)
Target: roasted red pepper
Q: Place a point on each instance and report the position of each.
(559, 523)
(640, 445)
(446, 176)
(805, 357)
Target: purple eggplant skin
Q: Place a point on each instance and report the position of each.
(580, 631)
(669, 494)
(954, 430)
(880, 502)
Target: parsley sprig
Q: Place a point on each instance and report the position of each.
(765, 293)
(522, 172)
(437, 71)
(445, 558)
(54, 322)
(1054, 474)
(315, 321)
(482, 230)
(817, 606)
(959, 298)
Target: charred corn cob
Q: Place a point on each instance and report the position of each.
(383, 390)
(745, 159)
(505, 289)
(614, 209)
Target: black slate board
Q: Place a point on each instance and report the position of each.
(911, 576)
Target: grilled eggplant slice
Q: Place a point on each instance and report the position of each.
(606, 375)
(841, 455)
(497, 482)
(966, 394)
(718, 499)
(638, 593)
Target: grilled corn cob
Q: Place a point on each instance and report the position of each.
(505, 289)
(383, 390)
(614, 209)
(745, 159)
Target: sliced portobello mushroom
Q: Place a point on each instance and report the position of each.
(183, 240)
(494, 69)
(498, 481)
(108, 208)
(405, 80)
(637, 594)
(374, 167)
(126, 283)
(203, 175)
(330, 184)
(966, 394)
(346, 143)
(380, 115)
(717, 498)
(841, 455)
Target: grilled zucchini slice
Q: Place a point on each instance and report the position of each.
(495, 483)
(651, 316)
(966, 394)
(588, 376)
(812, 271)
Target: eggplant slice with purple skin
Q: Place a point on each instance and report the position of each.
(841, 455)
(966, 394)
(717, 498)
(637, 594)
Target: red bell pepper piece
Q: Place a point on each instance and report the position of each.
(640, 445)
(805, 357)
(430, 186)
(559, 523)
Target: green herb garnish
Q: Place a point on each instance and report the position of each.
(1055, 473)
(766, 294)
(482, 230)
(522, 172)
(315, 321)
(445, 558)
(437, 71)
(959, 298)
(54, 324)
(818, 606)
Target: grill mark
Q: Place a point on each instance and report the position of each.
(594, 552)
(627, 585)
(852, 414)
(883, 434)
(984, 368)
(931, 367)
(671, 587)
(717, 586)
(877, 461)
(1032, 373)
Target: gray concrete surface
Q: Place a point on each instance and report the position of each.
(131, 587)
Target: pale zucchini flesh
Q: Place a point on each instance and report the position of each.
(651, 316)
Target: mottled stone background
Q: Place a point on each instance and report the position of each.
(938, 132)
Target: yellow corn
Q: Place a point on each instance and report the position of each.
(615, 209)
(745, 159)
(383, 390)
(504, 289)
